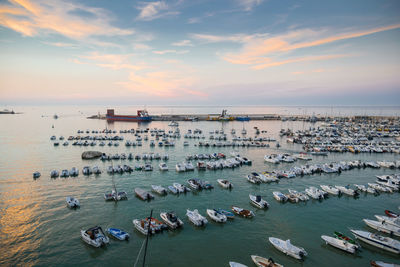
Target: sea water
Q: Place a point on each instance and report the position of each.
(37, 228)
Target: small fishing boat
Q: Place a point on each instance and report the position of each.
(236, 264)
(314, 193)
(347, 190)
(292, 198)
(340, 244)
(383, 227)
(163, 166)
(74, 172)
(72, 202)
(229, 215)
(117, 233)
(171, 219)
(194, 184)
(64, 173)
(243, 212)
(143, 226)
(216, 216)
(36, 175)
(383, 264)
(384, 243)
(302, 196)
(287, 248)
(95, 236)
(264, 262)
(54, 174)
(195, 217)
(391, 214)
(225, 183)
(173, 190)
(330, 189)
(341, 236)
(279, 196)
(159, 189)
(389, 220)
(180, 167)
(142, 194)
(181, 188)
(253, 179)
(258, 201)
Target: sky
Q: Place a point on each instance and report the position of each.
(200, 52)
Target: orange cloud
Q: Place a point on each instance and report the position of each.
(260, 50)
(31, 18)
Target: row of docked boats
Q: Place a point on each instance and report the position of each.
(232, 144)
(71, 173)
(131, 156)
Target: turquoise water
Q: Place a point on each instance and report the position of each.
(38, 229)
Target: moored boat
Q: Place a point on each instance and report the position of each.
(258, 201)
(159, 189)
(143, 227)
(391, 214)
(216, 216)
(287, 248)
(379, 241)
(225, 183)
(72, 202)
(340, 244)
(142, 194)
(389, 220)
(118, 233)
(171, 219)
(243, 212)
(383, 227)
(383, 264)
(264, 262)
(196, 218)
(94, 236)
(279, 196)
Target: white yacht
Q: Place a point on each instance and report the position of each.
(195, 217)
(287, 248)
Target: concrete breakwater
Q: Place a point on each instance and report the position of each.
(216, 117)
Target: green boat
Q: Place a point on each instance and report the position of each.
(341, 236)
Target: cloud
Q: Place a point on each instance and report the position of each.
(248, 5)
(183, 43)
(60, 44)
(261, 50)
(111, 61)
(42, 17)
(142, 47)
(154, 10)
(163, 52)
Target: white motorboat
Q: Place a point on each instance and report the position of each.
(253, 179)
(264, 262)
(287, 248)
(148, 167)
(380, 188)
(181, 188)
(180, 167)
(195, 184)
(340, 244)
(395, 221)
(173, 124)
(330, 189)
(270, 177)
(271, 159)
(302, 196)
(64, 173)
(384, 227)
(259, 177)
(143, 194)
(379, 241)
(361, 187)
(347, 190)
(74, 172)
(225, 183)
(195, 217)
(54, 174)
(216, 216)
(188, 166)
(236, 264)
(36, 175)
(95, 237)
(314, 193)
(383, 264)
(163, 166)
(143, 226)
(171, 219)
(279, 196)
(389, 183)
(258, 201)
(159, 189)
(72, 202)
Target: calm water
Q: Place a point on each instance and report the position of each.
(37, 228)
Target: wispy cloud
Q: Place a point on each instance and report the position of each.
(154, 10)
(248, 5)
(142, 47)
(171, 51)
(183, 43)
(111, 61)
(262, 50)
(31, 18)
(60, 44)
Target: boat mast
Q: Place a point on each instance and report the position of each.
(147, 237)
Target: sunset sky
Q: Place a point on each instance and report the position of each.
(200, 52)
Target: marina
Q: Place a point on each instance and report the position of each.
(214, 197)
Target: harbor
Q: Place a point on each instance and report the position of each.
(140, 167)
